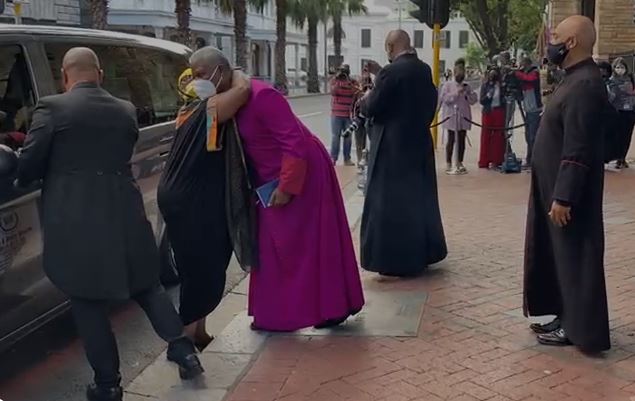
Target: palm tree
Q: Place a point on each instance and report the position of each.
(99, 13)
(239, 9)
(183, 10)
(336, 10)
(281, 45)
(310, 12)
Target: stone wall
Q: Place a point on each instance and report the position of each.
(616, 29)
(613, 20)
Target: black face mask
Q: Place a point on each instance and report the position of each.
(459, 78)
(557, 53)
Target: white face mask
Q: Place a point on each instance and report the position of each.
(620, 70)
(205, 88)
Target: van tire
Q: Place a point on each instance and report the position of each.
(169, 274)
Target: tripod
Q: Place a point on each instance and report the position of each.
(512, 164)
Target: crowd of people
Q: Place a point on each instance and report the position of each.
(238, 139)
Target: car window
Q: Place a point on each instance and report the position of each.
(17, 98)
(146, 77)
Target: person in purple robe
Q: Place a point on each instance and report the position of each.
(306, 274)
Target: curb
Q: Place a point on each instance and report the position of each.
(305, 95)
(230, 355)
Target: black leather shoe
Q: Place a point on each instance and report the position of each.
(183, 353)
(557, 338)
(190, 367)
(545, 328)
(96, 393)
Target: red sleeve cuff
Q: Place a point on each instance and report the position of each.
(292, 175)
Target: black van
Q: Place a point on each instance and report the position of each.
(136, 68)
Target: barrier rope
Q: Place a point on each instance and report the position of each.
(441, 122)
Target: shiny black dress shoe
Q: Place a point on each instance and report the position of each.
(183, 353)
(545, 328)
(327, 324)
(557, 338)
(97, 393)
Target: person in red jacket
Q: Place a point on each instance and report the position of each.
(344, 91)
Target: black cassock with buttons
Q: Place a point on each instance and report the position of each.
(564, 267)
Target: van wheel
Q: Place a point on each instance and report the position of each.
(169, 274)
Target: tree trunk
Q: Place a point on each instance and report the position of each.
(281, 46)
(99, 14)
(240, 32)
(489, 29)
(183, 12)
(337, 35)
(313, 81)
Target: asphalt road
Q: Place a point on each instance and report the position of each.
(49, 365)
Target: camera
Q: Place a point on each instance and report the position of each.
(512, 87)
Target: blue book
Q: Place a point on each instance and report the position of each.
(265, 192)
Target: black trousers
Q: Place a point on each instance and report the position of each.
(625, 124)
(93, 324)
(449, 148)
(361, 136)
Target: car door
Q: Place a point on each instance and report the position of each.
(26, 295)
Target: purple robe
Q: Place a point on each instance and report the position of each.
(307, 272)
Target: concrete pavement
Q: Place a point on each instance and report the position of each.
(470, 341)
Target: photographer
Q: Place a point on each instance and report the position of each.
(344, 92)
(529, 78)
(361, 133)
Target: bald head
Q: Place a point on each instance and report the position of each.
(81, 64)
(397, 42)
(578, 34)
(211, 64)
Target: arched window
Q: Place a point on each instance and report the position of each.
(587, 8)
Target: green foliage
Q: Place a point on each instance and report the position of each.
(502, 24)
(475, 56)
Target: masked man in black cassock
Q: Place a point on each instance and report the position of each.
(564, 251)
(401, 232)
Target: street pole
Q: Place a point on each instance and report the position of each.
(399, 6)
(17, 10)
(436, 75)
(326, 58)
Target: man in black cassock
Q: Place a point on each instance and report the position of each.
(564, 251)
(401, 232)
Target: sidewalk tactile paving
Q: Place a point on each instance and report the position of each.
(387, 313)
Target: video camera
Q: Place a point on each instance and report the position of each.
(343, 72)
(512, 87)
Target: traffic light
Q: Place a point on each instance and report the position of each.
(432, 12)
(421, 12)
(440, 13)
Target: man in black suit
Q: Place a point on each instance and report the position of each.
(401, 232)
(98, 244)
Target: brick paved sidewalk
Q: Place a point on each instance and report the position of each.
(472, 342)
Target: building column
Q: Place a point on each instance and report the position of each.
(159, 33)
(297, 63)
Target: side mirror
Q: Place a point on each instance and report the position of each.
(8, 162)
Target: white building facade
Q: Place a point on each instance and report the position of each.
(211, 27)
(365, 36)
(44, 12)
